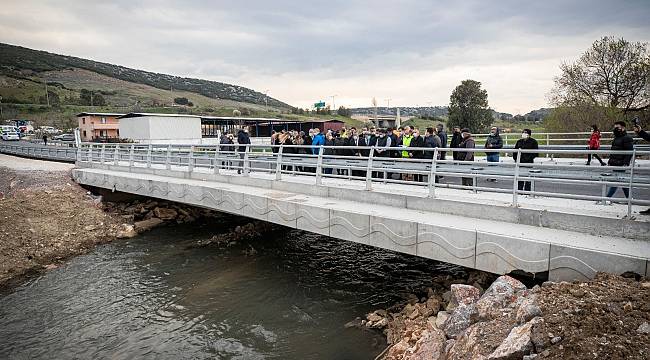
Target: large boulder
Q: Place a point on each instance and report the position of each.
(518, 343)
(460, 319)
(165, 213)
(527, 310)
(126, 231)
(503, 293)
(145, 225)
(463, 294)
(430, 346)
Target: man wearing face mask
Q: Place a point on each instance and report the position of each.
(493, 141)
(242, 139)
(382, 149)
(417, 142)
(526, 143)
(456, 139)
(622, 141)
(467, 143)
(354, 141)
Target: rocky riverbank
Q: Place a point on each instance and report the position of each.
(605, 318)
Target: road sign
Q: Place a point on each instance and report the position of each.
(320, 104)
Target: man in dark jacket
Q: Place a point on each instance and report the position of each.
(431, 140)
(622, 141)
(456, 139)
(353, 141)
(443, 139)
(493, 141)
(526, 143)
(467, 143)
(417, 142)
(242, 139)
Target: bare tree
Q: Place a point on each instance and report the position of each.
(612, 73)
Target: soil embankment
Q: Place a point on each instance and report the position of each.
(46, 218)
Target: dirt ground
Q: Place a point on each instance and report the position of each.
(598, 319)
(45, 217)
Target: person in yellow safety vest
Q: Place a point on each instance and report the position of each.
(405, 140)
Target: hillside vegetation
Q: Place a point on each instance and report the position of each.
(32, 67)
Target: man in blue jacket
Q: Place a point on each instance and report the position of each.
(318, 140)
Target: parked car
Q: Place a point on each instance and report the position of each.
(65, 137)
(10, 136)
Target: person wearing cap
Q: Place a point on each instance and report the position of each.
(493, 141)
(467, 143)
(526, 143)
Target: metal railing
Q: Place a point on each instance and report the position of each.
(373, 165)
(68, 154)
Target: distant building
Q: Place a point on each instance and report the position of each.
(150, 128)
(98, 126)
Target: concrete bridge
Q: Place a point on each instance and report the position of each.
(569, 238)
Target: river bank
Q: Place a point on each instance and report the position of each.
(604, 318)
(46, 218)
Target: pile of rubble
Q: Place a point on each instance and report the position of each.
(502, 323)
(510, 321)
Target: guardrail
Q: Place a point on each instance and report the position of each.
(372, 165)
(53, 142)
(67, 154)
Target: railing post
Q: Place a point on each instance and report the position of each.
(90, 153)
(168, 157)
(102, 154)
(319, 166)
(629, 198)
(190, 159)
(116, 155)
(149, 155)
(505, 145)
(515, 183)
(432, 174)
(548, 142)
(79, 153)
(369, 169)
(278, 164)
(217, 166)
(131, 150)
(247, 164)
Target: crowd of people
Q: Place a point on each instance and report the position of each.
(403, 142)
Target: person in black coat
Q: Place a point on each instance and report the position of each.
(443, 139)
(417, 142)
(526, 143)
(353, 141)
(456, 139)
(242, 139)
(622, 142)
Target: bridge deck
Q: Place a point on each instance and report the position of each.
(481, 243)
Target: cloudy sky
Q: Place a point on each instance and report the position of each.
(413, 52)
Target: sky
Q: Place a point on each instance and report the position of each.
(411, 52)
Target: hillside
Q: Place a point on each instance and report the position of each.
(22, 69)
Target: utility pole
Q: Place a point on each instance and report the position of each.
(171, 91)
(266, 100)
(91, 98)
(388, 104)
(0, 107)
(334, 104)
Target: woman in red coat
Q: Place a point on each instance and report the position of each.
(594, 144)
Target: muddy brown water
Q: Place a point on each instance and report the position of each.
(158, 297)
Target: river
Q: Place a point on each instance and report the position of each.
(157, 296)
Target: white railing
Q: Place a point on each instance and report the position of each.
(68, 154)
(371, 166)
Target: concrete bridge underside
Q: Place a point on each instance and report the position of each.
(489, 238)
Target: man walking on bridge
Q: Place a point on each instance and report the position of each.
(622, 141)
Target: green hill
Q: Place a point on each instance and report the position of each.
(24, 71)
